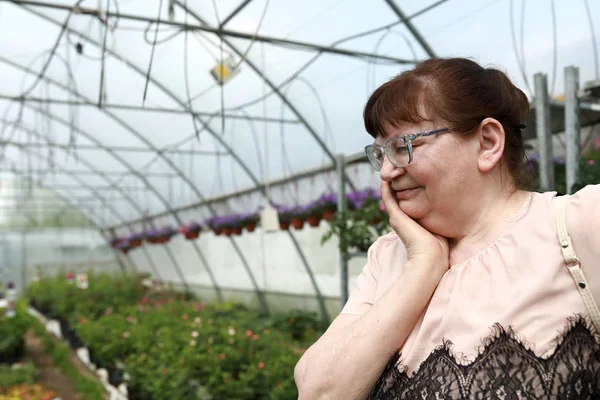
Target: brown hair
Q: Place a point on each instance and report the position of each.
(460, 92)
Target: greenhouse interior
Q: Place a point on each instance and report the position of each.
(186, 203)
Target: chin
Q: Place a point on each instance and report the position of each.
(412, 209)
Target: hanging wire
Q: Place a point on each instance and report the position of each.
(519, 54)
(187, 77)
(152, 52)
(554, 48)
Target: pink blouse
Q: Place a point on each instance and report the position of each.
(518, 287)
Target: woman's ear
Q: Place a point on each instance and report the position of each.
(491, 144)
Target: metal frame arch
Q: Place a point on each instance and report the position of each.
(273, 87)
(135, 173)
(118, 158)
(220, 140)
(92, 189)
(77, 205)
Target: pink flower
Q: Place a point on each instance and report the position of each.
(261, 365)
(254, 337)
(129, 319)
(248, 333)
(591, 162)
(597, 144)
(221, 356)
(381, 206)
(195, 334)
(108, 311)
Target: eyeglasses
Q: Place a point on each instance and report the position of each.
(399, 149)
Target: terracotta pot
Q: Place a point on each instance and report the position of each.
(313, 221)
(237, 230)
(217, 231)
(328, 215)
(297, 223)
(284, 225)
(250, 227)
(135, 243)
(191, 235)
(227, 231)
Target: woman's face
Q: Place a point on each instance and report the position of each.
(437, 186)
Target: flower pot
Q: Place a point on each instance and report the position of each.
(328, 215)
(313, 221)
(135, 243)
(284, 225)
(251, 227)
(191, 235)
(297, 223)
(227, 231)
(237, 230)
(217, 231)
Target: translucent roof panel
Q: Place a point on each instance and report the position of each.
(134, 114)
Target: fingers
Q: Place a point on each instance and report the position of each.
(407, 229)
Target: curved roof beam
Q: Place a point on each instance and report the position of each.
(130, 168)
(76, 205)
(413, 29)
(97, 194)
(222, 143)
(275, 90)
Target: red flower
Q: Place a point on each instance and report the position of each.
(185, 317)
(254, 337)
(248, 333)
(261, 365)
(221, 356)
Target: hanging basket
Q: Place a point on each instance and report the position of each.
(250, 227)
(328, 215)
(217, 231)
(297, 223)
(135, 243)
(191, 235)
(313, 221)
(284, 225)
(236, 230)
(227, 231)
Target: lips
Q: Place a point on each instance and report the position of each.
(404, 193)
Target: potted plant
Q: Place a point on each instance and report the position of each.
(285, 214)
(314, 213)
(213, 223)
(299, 214)
(135, 239)
(161, 235)
(249, 221)
(191, 230)
(328, 202)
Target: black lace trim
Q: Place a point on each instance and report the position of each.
(504, 368)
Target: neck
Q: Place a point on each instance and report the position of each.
(484, 223)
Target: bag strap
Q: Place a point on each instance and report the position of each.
(573, 263)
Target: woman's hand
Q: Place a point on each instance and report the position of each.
(420, 244)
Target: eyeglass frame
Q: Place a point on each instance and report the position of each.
(407, 139)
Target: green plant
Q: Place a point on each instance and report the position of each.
(358, 228)
(12, 337)
(18, 374)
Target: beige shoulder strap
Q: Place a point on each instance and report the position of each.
(573, 263)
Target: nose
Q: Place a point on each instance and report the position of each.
(389, 171)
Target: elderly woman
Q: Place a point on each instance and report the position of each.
(484, 290)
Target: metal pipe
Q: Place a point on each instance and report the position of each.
(341, 208)
(411, 27)
(544, 136)
(148, 109)
(572, 128)
(217, 31)
(354, 158)
(234, 12)
(115, 148)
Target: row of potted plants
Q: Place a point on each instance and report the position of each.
(323, 208)
(169, 345)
